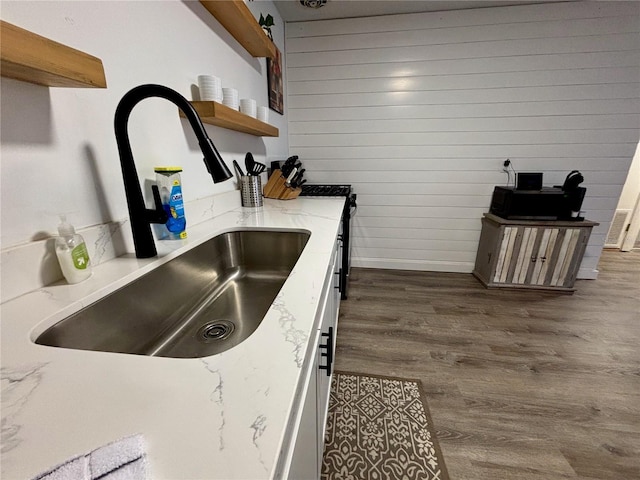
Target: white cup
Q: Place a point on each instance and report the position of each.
(210, 88)
(248, 107)
(263, 114)
(230, 98)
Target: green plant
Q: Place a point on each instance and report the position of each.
(266, 23)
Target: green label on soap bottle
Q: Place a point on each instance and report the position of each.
(80, 257)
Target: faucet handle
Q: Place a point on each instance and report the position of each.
(158, 215)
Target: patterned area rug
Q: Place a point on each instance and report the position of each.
(379, 428)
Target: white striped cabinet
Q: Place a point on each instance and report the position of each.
(531, 254)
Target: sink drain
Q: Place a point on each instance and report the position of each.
(215, 330)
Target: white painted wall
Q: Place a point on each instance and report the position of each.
(58, 147)
(419, 112)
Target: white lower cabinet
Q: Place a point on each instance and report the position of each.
(309, 443)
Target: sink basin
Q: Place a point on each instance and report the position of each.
(203, 302)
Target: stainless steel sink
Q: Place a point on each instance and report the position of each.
(203, 302)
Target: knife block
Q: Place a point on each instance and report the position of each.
(277, 188)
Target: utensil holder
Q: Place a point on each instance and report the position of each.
(251, 191)
(277, 187)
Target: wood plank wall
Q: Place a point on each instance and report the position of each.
(419, 112)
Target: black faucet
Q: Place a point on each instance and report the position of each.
(140, 217)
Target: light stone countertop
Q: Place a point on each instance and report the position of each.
(226, 416)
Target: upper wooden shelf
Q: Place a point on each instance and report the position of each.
(35, 59)
(220, 115)
(236, 17)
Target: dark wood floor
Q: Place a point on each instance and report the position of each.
(521, 384)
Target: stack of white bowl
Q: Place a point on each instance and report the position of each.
(263, 114)
(230, 98)
(248, 106)
(210, 88)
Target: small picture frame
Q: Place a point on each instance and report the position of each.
(274, 83)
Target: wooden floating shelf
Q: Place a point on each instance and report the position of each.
(220, 115)
(236, 17)
(31, 58)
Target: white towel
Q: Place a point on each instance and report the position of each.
(123, 459)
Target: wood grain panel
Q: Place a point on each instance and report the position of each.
(238, 20)
(220, 115)
(32, 58)
(418, 112)
(521, 385)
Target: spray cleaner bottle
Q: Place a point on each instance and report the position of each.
(72, 253)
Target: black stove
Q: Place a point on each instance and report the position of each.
(345, 233)
(325, 190)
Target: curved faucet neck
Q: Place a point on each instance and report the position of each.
(139, 215)
(137, 94)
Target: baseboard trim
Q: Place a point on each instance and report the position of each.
(419, 265)
(439, 266)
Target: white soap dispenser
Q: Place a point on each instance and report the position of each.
(72, 253)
